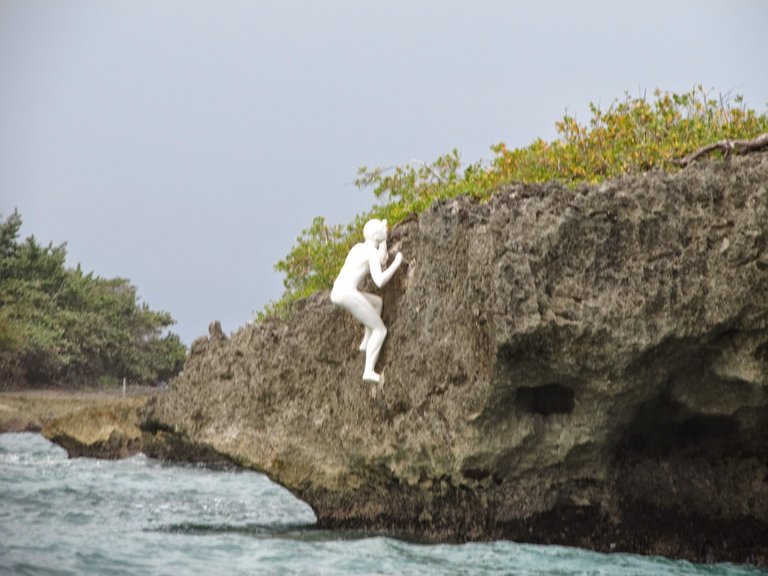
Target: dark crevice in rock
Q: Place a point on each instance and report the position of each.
(665, 426)
(482, 475)
(545, 400)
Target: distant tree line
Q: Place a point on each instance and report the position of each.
(61, 326)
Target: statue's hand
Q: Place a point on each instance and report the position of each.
(381, 277)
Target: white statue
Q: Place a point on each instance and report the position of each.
(369, 256)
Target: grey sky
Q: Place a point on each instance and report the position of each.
(185, 144)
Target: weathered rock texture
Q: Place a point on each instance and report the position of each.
(584, 367)
(95, 426)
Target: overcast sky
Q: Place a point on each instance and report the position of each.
(184, 144)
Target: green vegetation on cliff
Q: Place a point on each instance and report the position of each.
(61, 326)
(633, 135)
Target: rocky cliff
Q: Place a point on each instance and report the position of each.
(584, 367)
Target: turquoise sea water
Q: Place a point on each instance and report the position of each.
(142, 517)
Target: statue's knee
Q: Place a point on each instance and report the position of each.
(380, 332)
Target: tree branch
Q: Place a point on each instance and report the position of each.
(728, 147)
(431, 170)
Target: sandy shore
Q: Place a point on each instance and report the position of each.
(31, 410)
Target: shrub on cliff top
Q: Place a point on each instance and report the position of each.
(633, 135)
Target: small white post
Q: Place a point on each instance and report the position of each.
(123, 387)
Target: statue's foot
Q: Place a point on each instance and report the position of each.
(371, 377)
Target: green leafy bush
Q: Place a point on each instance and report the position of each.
(62, 326)
(633, 135)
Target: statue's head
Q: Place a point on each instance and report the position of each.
(375, 230)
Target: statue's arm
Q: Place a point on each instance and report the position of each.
(381, 277)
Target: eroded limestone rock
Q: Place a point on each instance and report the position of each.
(584, 367)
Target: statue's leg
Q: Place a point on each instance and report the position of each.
(361, 308)
(375, 343)
(377, 304)
(366, 337)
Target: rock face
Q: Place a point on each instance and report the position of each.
(585, 367)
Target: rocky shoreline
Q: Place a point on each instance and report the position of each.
(31, 409)
(583, 367)
(99, 423)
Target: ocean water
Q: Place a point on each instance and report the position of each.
(142, 517)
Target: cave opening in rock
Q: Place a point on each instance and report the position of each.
(665, 426)
(546, 400)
